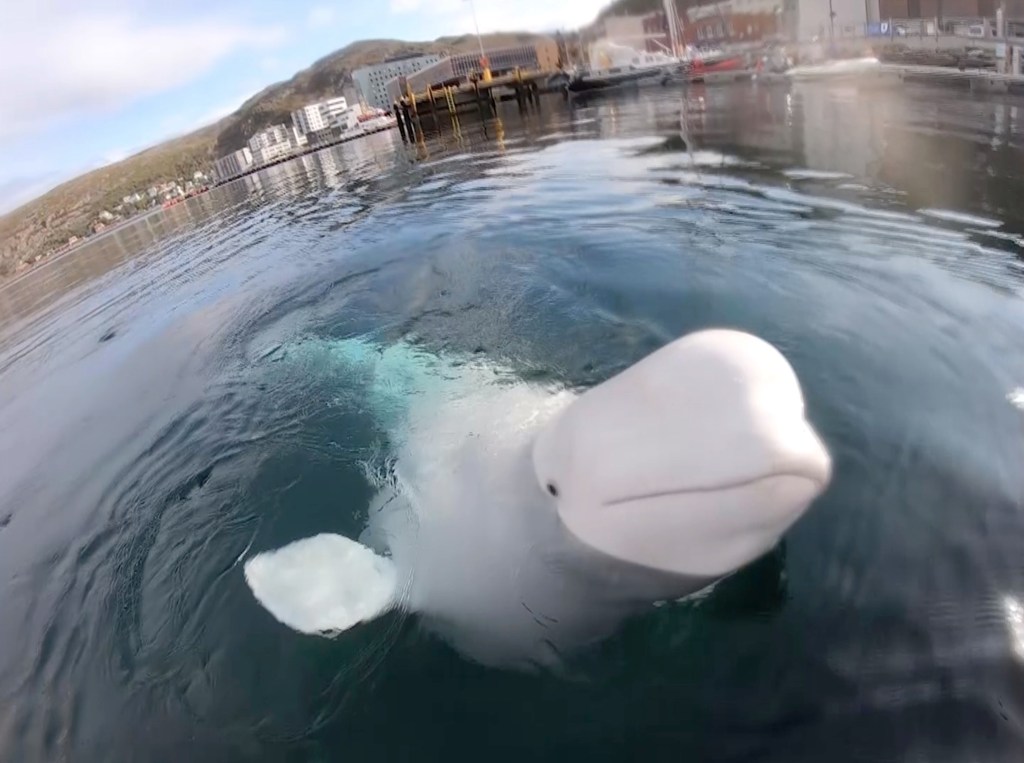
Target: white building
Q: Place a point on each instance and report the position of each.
(626, 31)
(233, 164)
(372, 81)
(347, 120)
(275, 142)
(314, 117)
(809, 19)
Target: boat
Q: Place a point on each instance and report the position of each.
(586, 82)
(729, 66)
(613, 65)
(377, 119)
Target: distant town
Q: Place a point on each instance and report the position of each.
(691, 24)
(324, 123)
(380, 86)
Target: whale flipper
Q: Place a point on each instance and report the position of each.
(324, 584)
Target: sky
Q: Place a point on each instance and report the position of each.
(88, 82)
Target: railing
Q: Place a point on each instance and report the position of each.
(968, 28)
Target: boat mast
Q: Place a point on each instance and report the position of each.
(673, 26)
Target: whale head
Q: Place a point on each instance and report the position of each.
(694, 461)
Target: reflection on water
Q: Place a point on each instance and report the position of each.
(931, 148)
(158, 423)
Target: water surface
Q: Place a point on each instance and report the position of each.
(157, 426)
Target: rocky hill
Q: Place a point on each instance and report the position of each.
(35, 230)
(331, 74)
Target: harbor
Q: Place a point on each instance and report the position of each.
(205, 380)
(652, 391)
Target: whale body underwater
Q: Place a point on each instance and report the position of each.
(521, 521)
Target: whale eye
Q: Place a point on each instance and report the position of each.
(552, 489)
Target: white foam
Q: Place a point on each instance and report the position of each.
(844, 66)
(962, 218)
(704, 158)
(1014, 612)
(1016, 397)
(324, 584)
(808, 174)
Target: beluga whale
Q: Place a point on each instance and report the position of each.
(521, 522)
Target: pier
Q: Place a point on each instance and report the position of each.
(442, 105)
(975, 80)
(978, 80)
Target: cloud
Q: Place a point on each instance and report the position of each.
(456, 16)
(86, 64)
(321, 16)
(534, 15)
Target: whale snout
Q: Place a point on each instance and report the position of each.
(793, 452)
(711, 529)
(696, 460)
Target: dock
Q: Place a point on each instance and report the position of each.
(444, 104)
(975, 80)
(978, 80)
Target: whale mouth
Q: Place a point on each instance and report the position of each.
(819, 478)
(704, 531)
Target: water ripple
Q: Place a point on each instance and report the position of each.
(173, 402)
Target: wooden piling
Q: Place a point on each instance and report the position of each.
(408, 121)
(520, 90)
(479, 100)
(401, 124)
(433, 110)
(450, 98)
(418, 124)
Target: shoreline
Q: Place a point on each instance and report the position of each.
(979, 81)
(61, 254)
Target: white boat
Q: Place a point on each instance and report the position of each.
(613, 65)
(373, 121)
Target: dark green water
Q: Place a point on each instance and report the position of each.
(150, 437)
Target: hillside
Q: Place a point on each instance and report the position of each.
(42, 225)
(36, 229)
(334, 72)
